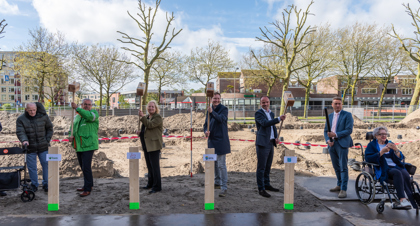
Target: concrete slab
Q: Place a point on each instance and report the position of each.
(231, 219)
(360, 214)
(320, 187)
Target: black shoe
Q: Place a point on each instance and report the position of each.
(154, 191)
(270, 188)
(34, 188)
(45, 187)
(2, 193)
(263, 193)
(146, 187)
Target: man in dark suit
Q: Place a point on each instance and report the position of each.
(265, 142)
(341, 128)
(218, 139)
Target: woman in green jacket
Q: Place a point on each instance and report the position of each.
(151, 141)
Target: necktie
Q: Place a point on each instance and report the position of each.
(334, 123)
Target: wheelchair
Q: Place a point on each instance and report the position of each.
(367, 186)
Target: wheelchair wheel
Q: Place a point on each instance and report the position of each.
(380, 207)
(27, 196)
(365, 188)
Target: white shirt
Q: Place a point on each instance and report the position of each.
(267, 113)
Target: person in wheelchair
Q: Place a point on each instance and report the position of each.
(391, 166)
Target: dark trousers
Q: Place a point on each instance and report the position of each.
(401, 181)
(85, 162)
(339, 158)
(265, 159)
(153, 170)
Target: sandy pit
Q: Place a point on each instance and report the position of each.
(181, 193)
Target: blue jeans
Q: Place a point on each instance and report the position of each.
(265, 159)
(339, 158)
(220, 173)
(32, 168)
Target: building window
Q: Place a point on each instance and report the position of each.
(11, 97)
(3, 89)
(391, 91)
(407, 91)
(12, 81)
(27, 97)
(2, 81)
(369, 90)
(27, 89)
(34, 97)
(11, 89)
(348, 91)
(3, 97)
(113, 100)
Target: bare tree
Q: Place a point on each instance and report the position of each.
(168, 71)
(289, 39)
(318, 57)
(2, 26)
(103, 69)
(411, 47)
(142, 46)
(266, 67)
(357, 53)
(41, 61)
(392, 60)
(203, 64)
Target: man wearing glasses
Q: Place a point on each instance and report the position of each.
(341, 128)
(85, 141)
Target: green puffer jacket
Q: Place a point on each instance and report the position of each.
(37, 130)
(85, 132)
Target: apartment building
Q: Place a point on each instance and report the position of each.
(15, 88)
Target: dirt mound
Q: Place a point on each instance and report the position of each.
(413, 118)
(290, 119)
(183, 121)
(8, 121)
(357, 121)
(411, 152)
(234, 126)
(69, 167)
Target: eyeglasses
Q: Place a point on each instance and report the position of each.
(383, 134)
(88, 104)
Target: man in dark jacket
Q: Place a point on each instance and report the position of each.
(265, 142)
(34, 128)
(218, 139)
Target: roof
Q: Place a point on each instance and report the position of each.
(229, 74)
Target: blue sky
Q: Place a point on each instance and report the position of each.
(233, 23)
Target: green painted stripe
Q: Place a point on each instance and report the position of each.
(53, 207)
(134, 205)
(288, 206)
(209, 206)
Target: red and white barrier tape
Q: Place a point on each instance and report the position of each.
(172, 136)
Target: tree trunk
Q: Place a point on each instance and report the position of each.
(382, 97)
(353, 88)
(415, 97)
(285, 87)
(159, 91)
(307, 91)
(100, 99)
(146, 80)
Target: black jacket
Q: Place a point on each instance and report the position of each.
(37, 130)
(264, 127)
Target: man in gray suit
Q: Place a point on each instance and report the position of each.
(341, 128)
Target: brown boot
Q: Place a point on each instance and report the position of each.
(336, 188)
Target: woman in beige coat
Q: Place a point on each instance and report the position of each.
(151, 141)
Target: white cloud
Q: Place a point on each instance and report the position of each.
(96, 21)
(340, 13)
(6, 8)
